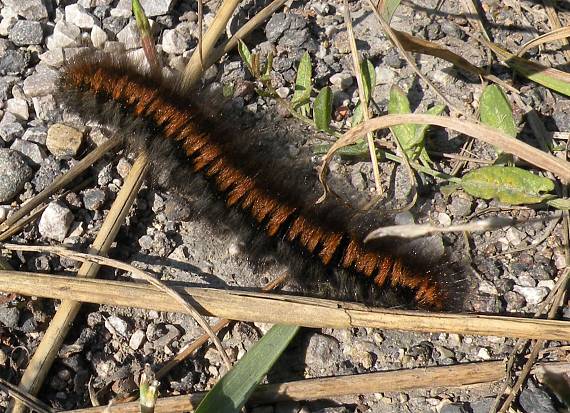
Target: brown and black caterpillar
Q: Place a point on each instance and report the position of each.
(193, 156)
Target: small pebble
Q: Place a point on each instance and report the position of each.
(157, 7)
(342, 80)
(36, 134)
(129, 36)
(55, 221)
(30, 150)
(19, 108)
(93, 199)
(173, 42)
(98, 37)
(116, 325)
(14, 173)
(77, 15)
(137, 339)
(63, 141)
(26, 32)
(65, 34)
(487, 288)
(14, 61)
(532, 295)
(53, 58)
(28, 9)
(484, 354)
(41, 83)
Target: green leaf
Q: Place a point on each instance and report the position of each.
(387, 9)
(245, 55)
(496, 111)
(322, 109)
(267, 69)
(302, 94)
(406, 133)
(232, 391)
(509, 184)
(421, 131)
(358, 149)
(357, 116)
(368, 78)
(559, 203)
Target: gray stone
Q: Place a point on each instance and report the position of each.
(14, 173)
(53, 57)
(129, 36)
(460, 206)
(65, 34)
(171, 334)
(173, 42)
(392, 59)
(321, 349)
(63, 141)
(36, 134)
(342, 80)
(19, 108)
(10, 130)
(26, 32)
(98, 37)
(9, 316)
(14, 61)
(114, 24)
(28, 9)
(48, 171)
(41, 83)
(116, 325)
(46, 108)
(483, 405)
(30, 150)
(76, 14)
(535, 400)
(454, 408)
(55, 221)
(157, 7)
(93, 199)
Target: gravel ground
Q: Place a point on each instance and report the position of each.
(108, 346)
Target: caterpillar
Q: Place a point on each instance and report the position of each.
(192, 155)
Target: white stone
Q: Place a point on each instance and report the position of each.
(137, 339)
(129, 36)
(283, 92)
(484, 354)
(488, 288)
(76, 14)
(123, 9)
(532, 295)
(4, 209)
(6, 25)
(173, 42)
(98, 37)
(55, 221)
(53, 57)
(46, 108)
(29, 149)
(65, 34)
(156, 7)
(547, 284)
(444, 219)
(515, 236)
(116, 325)
(19, 108)
(342, 80)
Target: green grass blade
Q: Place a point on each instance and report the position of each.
(322, 109)
(245, 55)
(302, 94)
(230, 394)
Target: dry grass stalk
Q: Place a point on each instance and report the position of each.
(197, 62)
(330, 387)
(278, 309)
(479, 131)
(48, 348)
(362, 97)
